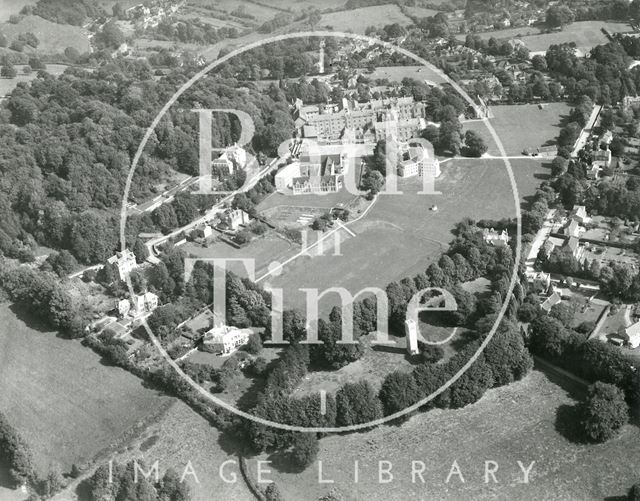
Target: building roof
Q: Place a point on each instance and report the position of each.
(572, 227)
(572, 243)
(551, 301)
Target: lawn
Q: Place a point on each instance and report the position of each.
(66, 404)
(509, 424)
(521, 126)
(54, 38)
(358, 20)
(400, 235)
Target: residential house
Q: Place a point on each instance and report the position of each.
(492, 237)
(629, 102)
(125, 262)
(602, 158)
(593, 172)
(572, 229)
(138, 305)
(577, 251)
(540, 281)
(231, 159)
(224, 340)
(551, 301)
(632, 335)
(234, 218)
(579, 213)
(606, 138)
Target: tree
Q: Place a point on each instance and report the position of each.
(399, 391)
(373, 181)
(305, 449)
(8, 70)
(357, 403)
(172, 488)
(474, 144)
(254, 345)
(634, 493)
(559, 166)
(603, 412)
(559, 16)
(272, 493)
(62, 263)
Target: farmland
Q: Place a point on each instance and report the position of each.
(66, 404)
(522, 126)
(357, 20)
(585, 34)
(400, 235)
(53, 38)
(514, 423)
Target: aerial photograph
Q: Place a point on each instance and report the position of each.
(319, 250)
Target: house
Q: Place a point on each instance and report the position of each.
(224, 340)
(125, 261)
(492, 237)
(572, 229)
(540, 281)
(312, 174)
(551, 301)
(629, 102)
(579, 213)
(602, 158)
(138, 305)
(573, 244)
(421, 161)
(606, 138)
(632, 335)
(593, 172)
(234, 218)
(232, 158)
(144, 303)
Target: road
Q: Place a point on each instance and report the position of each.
(586, 132)
(215, 209)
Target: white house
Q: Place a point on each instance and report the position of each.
(232, 158)
(224, 340)
(632, 334)
(420, 162)
(492, 237)
(234, 218)
(138, 305)
(579, 213)
(125, 261)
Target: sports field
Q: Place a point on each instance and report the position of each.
(509, 424)
(66, 404)
(521, 126)
(400, 235)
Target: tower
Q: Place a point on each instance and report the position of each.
(411, 333)
(321, 61)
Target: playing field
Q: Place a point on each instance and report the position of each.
(509, 424)
(401, 235)
(358, 20)
(521, 126)
(62, 399)
(397, 73)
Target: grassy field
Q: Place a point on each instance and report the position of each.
(586, 34)
(400, 236)
(8, 84)
(67, 405)
(53, 37)
(11, 7)
(541, 126)
(509, 424)
(397, 73)
(357, 20)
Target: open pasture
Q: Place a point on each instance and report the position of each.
(358, 20)
(65, 403)
(514, 423)
(54, 38)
